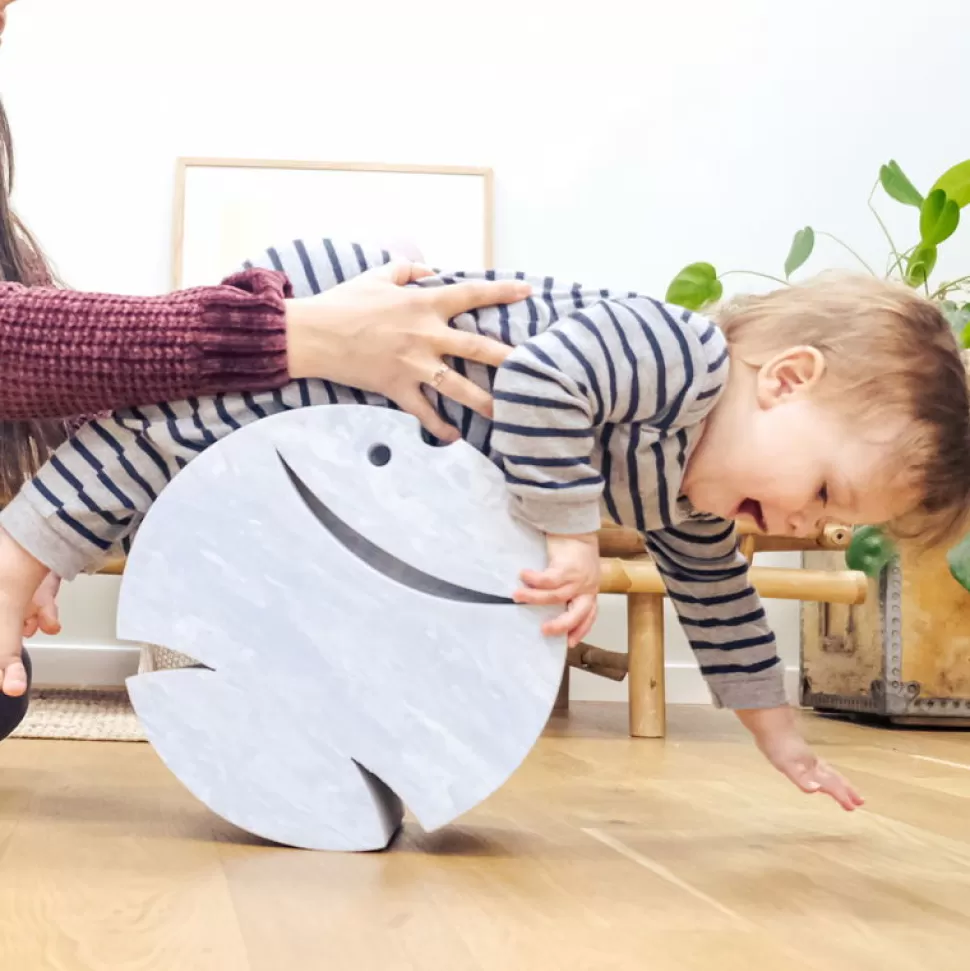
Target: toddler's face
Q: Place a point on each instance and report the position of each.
(775, 454)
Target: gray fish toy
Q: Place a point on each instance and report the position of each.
(347, 588)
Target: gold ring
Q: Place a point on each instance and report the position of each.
(439, 376)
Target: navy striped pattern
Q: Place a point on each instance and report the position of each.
(707, 581)
(596, 412)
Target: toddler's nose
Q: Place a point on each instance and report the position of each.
(803, 524)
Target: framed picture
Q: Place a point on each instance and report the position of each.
(228, 209)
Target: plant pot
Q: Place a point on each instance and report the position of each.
(903, 655)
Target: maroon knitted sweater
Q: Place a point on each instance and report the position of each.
(66, 353)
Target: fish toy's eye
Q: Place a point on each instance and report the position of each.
(379, 455)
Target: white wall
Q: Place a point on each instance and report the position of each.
(627, 139)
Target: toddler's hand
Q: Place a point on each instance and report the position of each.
(571, 577)
(42, 613)
(778, 739)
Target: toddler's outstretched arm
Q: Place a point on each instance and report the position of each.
(779, 740)
(726, 625)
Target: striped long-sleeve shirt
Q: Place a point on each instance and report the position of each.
(597, 410)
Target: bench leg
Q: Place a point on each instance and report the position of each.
(645, 643)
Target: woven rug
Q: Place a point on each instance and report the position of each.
(82, 715)
(93, 715)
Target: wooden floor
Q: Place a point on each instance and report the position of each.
(602, 853)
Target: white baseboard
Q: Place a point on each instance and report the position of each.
(67, 665)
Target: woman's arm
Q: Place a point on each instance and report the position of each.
(64, 353)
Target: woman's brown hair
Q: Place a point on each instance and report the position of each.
(24, 445)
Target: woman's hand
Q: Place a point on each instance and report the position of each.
(375, 334)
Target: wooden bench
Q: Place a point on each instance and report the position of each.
(627, 569)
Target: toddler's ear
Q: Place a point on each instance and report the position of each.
(794, 371)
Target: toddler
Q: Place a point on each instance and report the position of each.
(841, 400)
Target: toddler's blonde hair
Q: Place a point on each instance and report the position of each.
(889, 352)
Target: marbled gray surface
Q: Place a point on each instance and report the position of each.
(336, 688)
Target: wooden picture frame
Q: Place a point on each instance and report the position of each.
(222, 216)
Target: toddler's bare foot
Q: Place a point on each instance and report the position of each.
(13, 676)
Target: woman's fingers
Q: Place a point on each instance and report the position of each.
(415, 403)
(398, 272)
(377, 334)
(471, 347)
(460, 389)
(418, 271)
(461, 297)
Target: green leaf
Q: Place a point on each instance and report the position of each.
(939, 217)
(695, 287)
(869, 551)
(957, 317)
(958, 559)
(801, 249)
(965, 333)
(897, 186)
(955, 183)
(920, 265)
